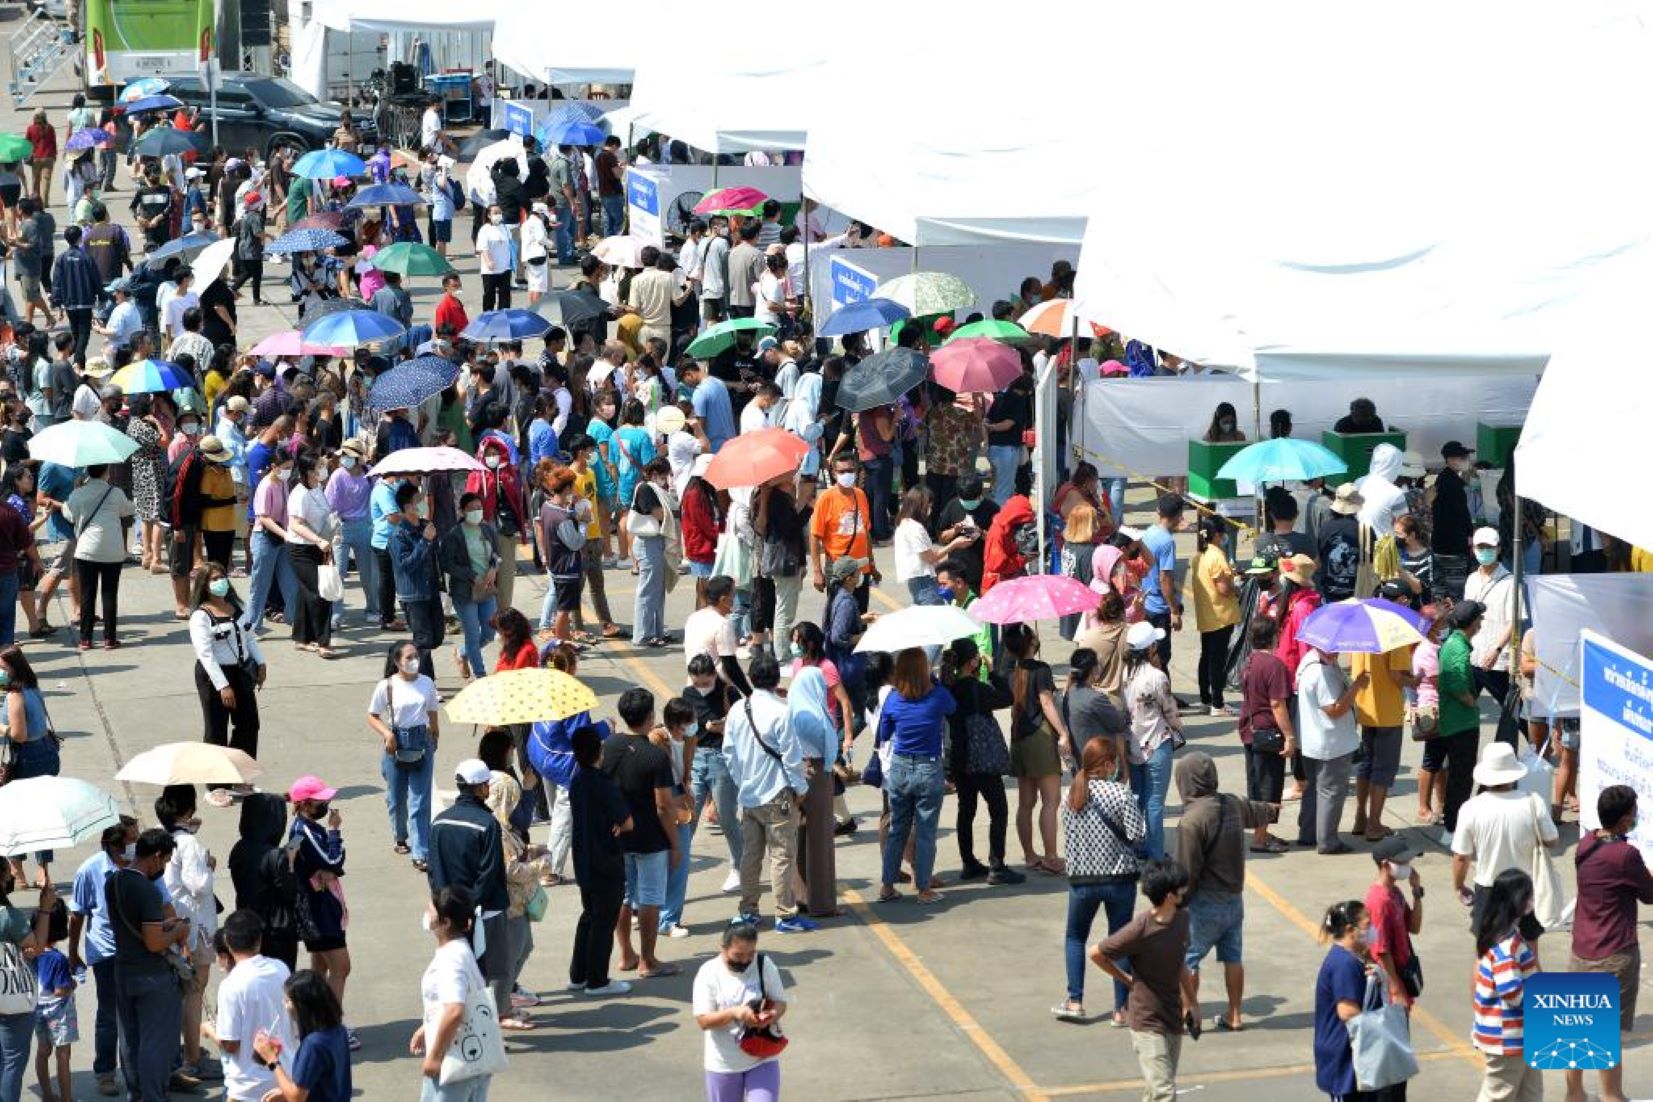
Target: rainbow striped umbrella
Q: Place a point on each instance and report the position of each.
(150, 377)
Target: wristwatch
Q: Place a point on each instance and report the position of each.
(1417, 892)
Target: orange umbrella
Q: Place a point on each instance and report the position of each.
(1050, 318)
(753, 458)
(405, 158)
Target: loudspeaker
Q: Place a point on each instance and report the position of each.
(255, 23)
(403, 78)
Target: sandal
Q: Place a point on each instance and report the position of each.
(1428, 818)
(401, 849)
(660, 973)
(326, 652)
(890, 896)
(1068, 1012)
(1118, 1019)
(1379, 834)
(516, 1025)
(612, 631)
(1273, 845)
(929, 895)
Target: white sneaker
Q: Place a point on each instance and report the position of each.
(679, 931)
(1446, 838)
(612, 987)
(575, 987)
(731, 883)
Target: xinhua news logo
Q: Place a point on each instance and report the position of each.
(1571, 1021)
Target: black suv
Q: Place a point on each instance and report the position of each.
(265, 113)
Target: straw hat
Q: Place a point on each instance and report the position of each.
(214, 451)
(1411, 465)
(1299, 569)
(1348, 500)
(1498, 765)
(99, 368)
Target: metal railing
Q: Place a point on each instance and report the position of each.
(36, 51)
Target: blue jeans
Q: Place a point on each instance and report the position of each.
(106, 1028)
(407, 796)
(1150, 782)
(151, 1015)
(915, 788)
(471, 1090)
(1216, 920)
(740, 617)
(477, 620)
(1083, 902)
(923, 591)
(648, 616)
(709, 779)
(353, 545)
(1116, 497)
(8, 608)
(565, 234)
(614, 214)
(548, 605)
(270, 566)
(677, 880)
(1004, 459)
(879, 472)
(16, 1035)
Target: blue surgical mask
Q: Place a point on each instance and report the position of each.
(971, 505)
(1486, 556)
(219, 587)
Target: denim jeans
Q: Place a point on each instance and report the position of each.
(1116, 497)
(740, 617)
(1004, 459)
(476, 618)
(1150, 782)
(709, 779)
(471, 1090)
(151, 1016)
(879, 472)
(614, 214)
(407, 796)
(677, 880)
(915, 788)
(648, 616)
(16, 1035)
(923, 591)
(352, 544)
(106, 1028)
(548, 604)
(1084, 900)
(565, 234)
(8, 608)
(270, 567)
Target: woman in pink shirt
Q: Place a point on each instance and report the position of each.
(1426, 712)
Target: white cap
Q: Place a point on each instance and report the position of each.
(1484, 537)
(1130, 533)
(1143, 635)
(472, 771)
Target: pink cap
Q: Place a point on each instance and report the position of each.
(310, 788)
(341, 181)
(1114, 367)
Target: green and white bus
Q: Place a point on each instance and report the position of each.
(129, 39)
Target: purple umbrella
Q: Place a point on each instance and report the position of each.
(1369, 626)
(88, 138)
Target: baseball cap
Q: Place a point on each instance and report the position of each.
(844, 568)
(472, 771)
(121, 284)
(1465, 613)
(238, 404)
(1454, 449)
(193, 173)
(1143, 635)
(265, 368)
(1484, 537)
(766, 343)
(1394, 848)
(310, 787)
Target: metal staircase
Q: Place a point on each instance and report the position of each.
(37, 50)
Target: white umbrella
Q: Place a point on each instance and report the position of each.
(190, 763)
(52, 813)
(426, 460)
(478, 178)
(620, 251)
(918, 626)
(81, 444)
(928, 293)
(214, 261)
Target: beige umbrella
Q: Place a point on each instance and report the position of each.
(190, 763)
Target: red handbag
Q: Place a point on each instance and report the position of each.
(763, 1042)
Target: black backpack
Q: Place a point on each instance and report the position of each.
(1026, 538)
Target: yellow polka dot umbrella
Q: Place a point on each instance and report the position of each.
(520, 696)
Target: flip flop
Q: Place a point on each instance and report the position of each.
(1223, 1026)
(1271, 846)
(516, 1025)
(660, 973)
(890, 897)
(1062, 1012)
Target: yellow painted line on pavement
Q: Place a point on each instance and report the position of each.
(962, 1018)
(1457, 1045)
(1242, 1075)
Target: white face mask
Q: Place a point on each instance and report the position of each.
(348, 462)
(473, 517)
(189, 428)
(496, 219)
(410, 666)
(846, 480)
(1401, 870)
(492, 462)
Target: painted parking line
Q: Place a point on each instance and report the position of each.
(1279, 1071)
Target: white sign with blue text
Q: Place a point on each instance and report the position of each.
(643, 199)
(850, 282)
(1615, 728)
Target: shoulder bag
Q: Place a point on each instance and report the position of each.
(641, 525)
(182, 970)
(18, 987)
(763, 1042)
(412, 743)
(477, 1049)
(1548, 896)
(985, 747)
(1381, 1041)
(81, 524)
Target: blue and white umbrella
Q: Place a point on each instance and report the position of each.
(306, 241)
(144, 86)
(407, 384)
(165, 140)
(353, 328)
(151, 377)
(154, 102)
(324, 164)
(387, 195)
(506, 325)
(858, 317)
(188, 246)
(88, 138)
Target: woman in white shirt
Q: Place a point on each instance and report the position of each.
(725, 990)
(450, 981)
(189, 878)
(1156, 727)
(310, 527)
(404, 713)
(535, 251)
(916, 554)
(774, 304)
(229, 668)
(1330, 736)
(97, 510)
(493, 253)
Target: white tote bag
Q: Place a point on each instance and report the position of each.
(329, 582)
(478, 1049)
(17, 981)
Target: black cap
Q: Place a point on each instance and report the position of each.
(1465, 613)
(1394, 848)
(1454, 449)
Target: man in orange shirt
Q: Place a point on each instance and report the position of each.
(840, 527)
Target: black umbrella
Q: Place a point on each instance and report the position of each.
(567, 308)
(482, 139)
(882, 379)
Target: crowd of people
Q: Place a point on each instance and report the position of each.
(256, 490)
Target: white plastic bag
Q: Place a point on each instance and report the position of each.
(329, 582)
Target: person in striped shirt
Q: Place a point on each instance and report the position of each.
(1505, 961)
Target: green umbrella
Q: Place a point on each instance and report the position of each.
(722, 335)
(409, 258)
(1006, 331)
(14, 148)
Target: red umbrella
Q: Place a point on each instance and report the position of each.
(1036, 597)
(975, 365)
(753, 458)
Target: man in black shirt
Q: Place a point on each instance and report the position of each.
(150, 1002)
(1008, 418)
(152, 206)
(1283, 540)
(1339, 551)
(600, 818)
(643, 772)
(972, 509)
(1362, 417)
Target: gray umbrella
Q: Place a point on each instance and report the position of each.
(569, 307)
(882, 379)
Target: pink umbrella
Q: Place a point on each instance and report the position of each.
(732, 200)
(426, 460)
(975, 365)
(291, 342)
(1036, 597)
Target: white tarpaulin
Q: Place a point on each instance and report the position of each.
(1564, 606)
(1616, 733)
(408, 15)
(718, 103)
(1144, 425)
(541, 42)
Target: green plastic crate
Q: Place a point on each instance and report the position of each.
(1495, 443)
(1204, 460)
(1355, 449)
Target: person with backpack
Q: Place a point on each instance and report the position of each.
(249, 246)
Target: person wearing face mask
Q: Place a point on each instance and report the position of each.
(1451, 520)
(1394, 921)
(739, 989)
(189, 876)
(150, 1004)
(1225, 428)
(471, 564)
(317, 849)
(563, 537)
(1339, 995)
(89, 916)
(678, 735)
(271, 566)
(310, 528)
(404, 712)
(1493, 586)
(494, 255)
(349, 492)
(415, 565)
(229, 668)
(450, 981)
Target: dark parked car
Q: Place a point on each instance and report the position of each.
(265, 113)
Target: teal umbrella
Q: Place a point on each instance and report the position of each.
(1286, 459)
(1005, 332)
(81, 444)
(722, 336)
(410, 258)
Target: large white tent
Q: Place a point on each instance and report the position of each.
(723, 104)
(408, 15)
(536, 41)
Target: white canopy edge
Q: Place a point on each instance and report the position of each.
(408, 15)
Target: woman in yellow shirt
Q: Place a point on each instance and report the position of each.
(1216, 610)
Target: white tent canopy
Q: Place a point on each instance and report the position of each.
(725, 106)
(535, 40)
(408, 15)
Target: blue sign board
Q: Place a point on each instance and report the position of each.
(642, 193)
(519, 119)
(851, 284)
(1619, 687)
